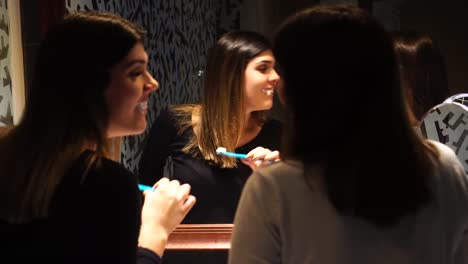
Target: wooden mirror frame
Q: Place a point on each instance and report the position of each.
(200, 237)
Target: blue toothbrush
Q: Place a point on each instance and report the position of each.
(222, 151)
(143, 188)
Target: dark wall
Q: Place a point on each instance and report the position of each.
(447, 22)
(31, 34)
(282, 9)
(36, 17)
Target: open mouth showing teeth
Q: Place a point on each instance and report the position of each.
(268, 91)
(142, 106)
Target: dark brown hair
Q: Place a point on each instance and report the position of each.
(65, 110)
(346, 113)
(422, 70)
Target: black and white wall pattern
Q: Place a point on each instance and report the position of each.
(6, 117)
(179, 35)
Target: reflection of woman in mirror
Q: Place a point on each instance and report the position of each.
(61, 199)
(422, 71)
(240, 80)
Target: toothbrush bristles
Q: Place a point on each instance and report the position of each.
(220, 150)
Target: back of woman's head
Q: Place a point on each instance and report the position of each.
(73, 70)
(342, 94)
(338, 67)
(422, 70)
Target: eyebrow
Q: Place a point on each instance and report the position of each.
(136, 61)
(265, 61)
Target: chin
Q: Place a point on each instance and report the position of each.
(127, 132)
(268, 106)
(139, 131)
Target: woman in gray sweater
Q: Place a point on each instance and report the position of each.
(358, 185)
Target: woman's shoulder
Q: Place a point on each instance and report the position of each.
(281, 173)
(181, 109)
(445, 154)
(177, 115)
(103, 171)
(451, 174)
(95, 182)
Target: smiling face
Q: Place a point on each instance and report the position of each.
(127, 94)
(260, 80)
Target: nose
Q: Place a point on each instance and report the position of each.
(151, 83)
(274, 77)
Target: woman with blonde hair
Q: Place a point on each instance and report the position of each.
(239, 85)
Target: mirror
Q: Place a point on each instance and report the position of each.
(447, 123)
(180, 33)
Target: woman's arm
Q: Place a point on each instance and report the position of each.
(163, 209)
(116, 224)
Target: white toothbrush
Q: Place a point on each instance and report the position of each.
(224, 152)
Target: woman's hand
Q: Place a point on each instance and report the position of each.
(163, 209)
(260, 156)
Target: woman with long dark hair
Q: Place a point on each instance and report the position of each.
(356, 184)
(62, 200)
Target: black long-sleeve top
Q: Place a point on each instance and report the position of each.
(92, 219)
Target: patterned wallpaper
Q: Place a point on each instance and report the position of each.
(6, 117)
(179, 35)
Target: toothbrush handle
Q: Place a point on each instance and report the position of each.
(145, 187)
(236, 155)
(239, 156)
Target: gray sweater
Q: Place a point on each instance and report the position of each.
(281, 220)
